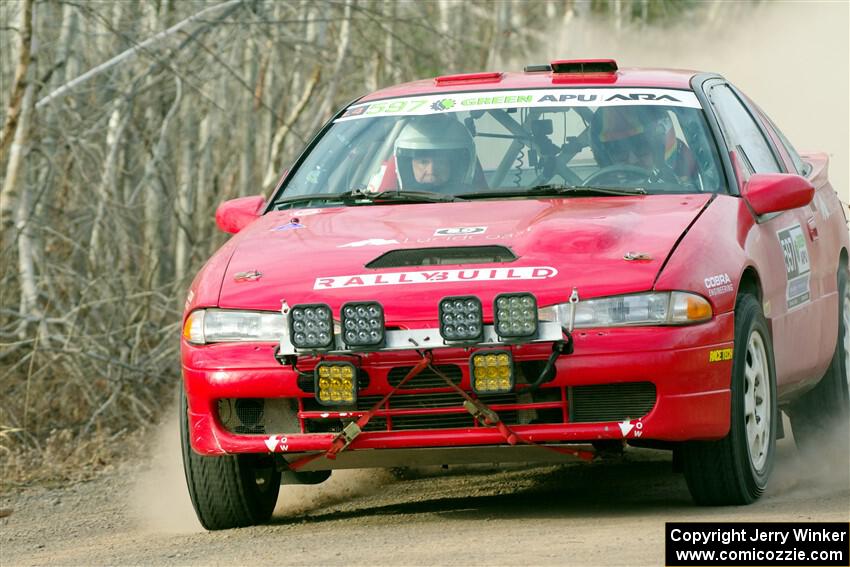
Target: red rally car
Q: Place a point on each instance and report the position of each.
(531, 266)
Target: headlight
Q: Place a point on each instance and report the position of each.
(218, 326)
(643, 309)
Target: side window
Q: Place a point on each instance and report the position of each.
(801, 167)
(741, 131)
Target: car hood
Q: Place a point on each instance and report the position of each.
(321, 255)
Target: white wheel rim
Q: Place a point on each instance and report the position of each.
(845, 315)
(757, 401)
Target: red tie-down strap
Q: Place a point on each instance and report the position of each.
(475, 407)
(482, 413)
(353, 429)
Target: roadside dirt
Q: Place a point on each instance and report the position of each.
(609, 513)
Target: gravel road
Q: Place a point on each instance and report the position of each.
(609, 513)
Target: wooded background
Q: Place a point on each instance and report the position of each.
(125, 124)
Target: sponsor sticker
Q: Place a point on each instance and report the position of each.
(718, 284)
(797, 265)
(441, 104)
(720, 355)
(460, 230)
(435, 277)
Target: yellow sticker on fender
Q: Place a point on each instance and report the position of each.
(720, 355)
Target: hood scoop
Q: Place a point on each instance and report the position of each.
(443, 256)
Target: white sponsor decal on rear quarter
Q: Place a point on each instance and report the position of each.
(436, 276)
(797, 265)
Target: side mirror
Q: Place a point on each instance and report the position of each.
(774, 192)
(234, 215)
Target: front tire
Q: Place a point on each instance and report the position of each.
(735, 469)
(230, 491)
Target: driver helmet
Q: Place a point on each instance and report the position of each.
(624, 134)
(441, 139)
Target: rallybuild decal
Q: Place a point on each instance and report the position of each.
(441, 104)
(436, 276)
(797, 266)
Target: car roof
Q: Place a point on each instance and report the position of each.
(630, 77)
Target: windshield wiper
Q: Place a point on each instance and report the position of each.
(413, 196)
(356, 196)
(557, 189)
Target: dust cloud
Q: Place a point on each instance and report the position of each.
(160, 500)
(792, 58)
(343, 485)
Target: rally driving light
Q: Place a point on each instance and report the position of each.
(491, 371)
(642, 309)
(311, 326)
(336, 383)
(515, 315)
(461, 318)
(219, 325)
(362, 324)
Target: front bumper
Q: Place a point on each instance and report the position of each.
(692, 396)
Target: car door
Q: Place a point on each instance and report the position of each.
(780, 244)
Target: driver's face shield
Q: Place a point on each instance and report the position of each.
(635, 150)
(431, 170)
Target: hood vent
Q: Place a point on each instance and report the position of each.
(443, 256)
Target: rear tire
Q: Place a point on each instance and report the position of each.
(230, 491)
(823, 413)
(735, 469)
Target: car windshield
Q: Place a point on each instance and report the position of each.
(611, 141)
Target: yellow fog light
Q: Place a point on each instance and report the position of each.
(335, 383)
(491, 371)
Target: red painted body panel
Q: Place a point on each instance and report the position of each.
(772, 192)
(584, 239)
(657, 78)
(234, 215)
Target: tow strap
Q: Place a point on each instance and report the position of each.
(355, 428)
(484, 414)
(475, 407)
